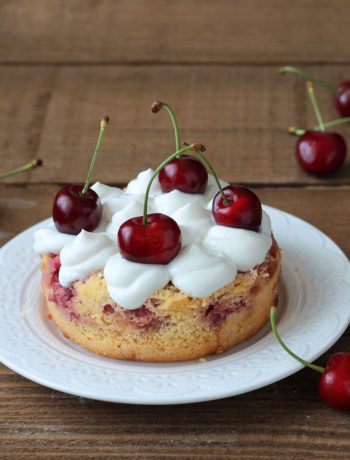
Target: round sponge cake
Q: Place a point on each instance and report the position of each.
(170, 325)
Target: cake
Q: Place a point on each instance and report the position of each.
(216, 292)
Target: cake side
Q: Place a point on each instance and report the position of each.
(170, 325)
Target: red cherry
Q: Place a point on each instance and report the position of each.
(342, 99)
(156, 242)
(334, 384)
(320, 152)
(341, 93)
(186, 174)
(243, 209)
(72, 211)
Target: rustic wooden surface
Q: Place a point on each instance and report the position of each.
(62, 66)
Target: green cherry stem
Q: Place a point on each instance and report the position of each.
(193, 147)
(211, 169)
(310, 88)
(279, 340)
(26, 167)
(288, 69)
(103, 124)
(156, 107)
(329, 124)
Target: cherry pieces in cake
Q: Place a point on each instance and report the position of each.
(242, 209)
(186, 174)
(74, 211)
(320, 152)
(156, 242)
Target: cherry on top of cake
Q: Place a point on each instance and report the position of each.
(156, 238)
(185, 173)
(77, 207)
(234, 206)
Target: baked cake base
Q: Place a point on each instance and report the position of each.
(170, 326)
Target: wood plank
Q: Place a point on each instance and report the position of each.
(283, 420)
(245, 31)
(239, 113)
(25, 93)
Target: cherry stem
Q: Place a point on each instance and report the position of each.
(104, 123)
(286, 69)
(156, 106)
(26, 167)
(310, 88)
(279, 340)
(209, 166)
(194, 147)
(329, 124)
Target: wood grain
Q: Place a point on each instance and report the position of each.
(65, 64)
(243, 31)
(284, 420)
(239, 113)
(25, 93)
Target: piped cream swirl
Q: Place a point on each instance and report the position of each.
(209, 259)
(86, 254)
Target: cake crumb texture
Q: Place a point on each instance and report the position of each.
(170, 325)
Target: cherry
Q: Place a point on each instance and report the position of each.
(334, 384)
(33, 164)
(342, 99)
(77, 207)
(74, 211)
(157, 242)
(341, 93)
(152, 238)
(185, 173)
(320, 153)
(241, 209)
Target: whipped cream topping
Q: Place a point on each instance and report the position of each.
(87, 253)
(48, 240)
(129, 284)
(209, 259)
(199, 273)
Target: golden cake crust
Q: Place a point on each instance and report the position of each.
(171, 325)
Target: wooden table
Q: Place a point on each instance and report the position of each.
(63, 65)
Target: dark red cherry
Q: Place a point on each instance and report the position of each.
(157, 242)
(72, 211)
(320, 152)
(186, 174)
(342, 99)
(334, 384)
(242, 210)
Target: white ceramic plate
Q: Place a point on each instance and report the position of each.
(313, 313)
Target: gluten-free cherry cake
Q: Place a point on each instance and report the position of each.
(176, 266)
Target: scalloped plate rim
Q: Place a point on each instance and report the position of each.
(291, 367)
